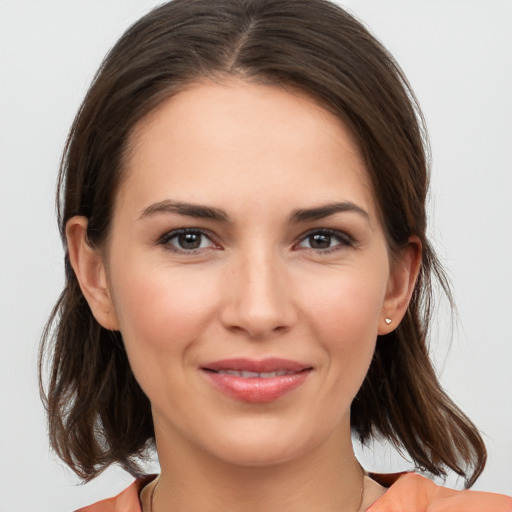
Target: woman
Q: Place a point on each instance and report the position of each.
(248, 274)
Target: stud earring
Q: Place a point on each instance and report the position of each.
(388, 321)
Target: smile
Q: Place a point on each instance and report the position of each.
(255, 375)
(256, 381)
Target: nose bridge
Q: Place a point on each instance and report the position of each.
(259, 300)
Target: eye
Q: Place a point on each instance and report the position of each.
(186, 240)
(325, 240)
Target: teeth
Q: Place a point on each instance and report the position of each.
(254, 375)
(249, 375)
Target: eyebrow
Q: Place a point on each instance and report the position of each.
(188, 209)
(208, 212)
(321, 212)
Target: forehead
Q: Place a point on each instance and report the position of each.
(254, 137)
(267, 108)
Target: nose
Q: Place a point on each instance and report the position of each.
(258, 300)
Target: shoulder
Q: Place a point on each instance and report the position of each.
(412, 492)
(126, 501)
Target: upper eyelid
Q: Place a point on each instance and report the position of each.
(341, 234)
(345, 242)
(329, 231)
(168, 235)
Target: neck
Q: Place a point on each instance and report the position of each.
(328, 480)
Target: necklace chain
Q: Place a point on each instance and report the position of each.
(152, 496)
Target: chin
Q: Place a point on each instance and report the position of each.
(257, 445)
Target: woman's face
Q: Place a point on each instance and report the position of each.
(248, 272)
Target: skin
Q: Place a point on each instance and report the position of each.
(258, 285)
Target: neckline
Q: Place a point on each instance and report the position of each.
(385, 479)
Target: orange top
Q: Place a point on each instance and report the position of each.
(408, 493)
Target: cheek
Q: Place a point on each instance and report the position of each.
(161, 313)
(344, 315)
(347, 303)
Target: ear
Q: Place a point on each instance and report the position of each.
(402, 280)
(87, 262)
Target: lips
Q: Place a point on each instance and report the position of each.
(256, 381)
(252, 375)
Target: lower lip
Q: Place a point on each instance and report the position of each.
(257, 389)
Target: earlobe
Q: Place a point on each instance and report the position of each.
(89, 268)
(401, 285)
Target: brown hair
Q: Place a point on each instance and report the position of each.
(98, 415)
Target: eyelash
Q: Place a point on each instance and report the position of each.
(343, 239)
(175, 234)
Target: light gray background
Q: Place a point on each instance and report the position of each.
(458, 57)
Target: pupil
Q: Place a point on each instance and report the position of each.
(189, 240)
(320, 241)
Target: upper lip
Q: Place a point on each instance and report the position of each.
(258, 366)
